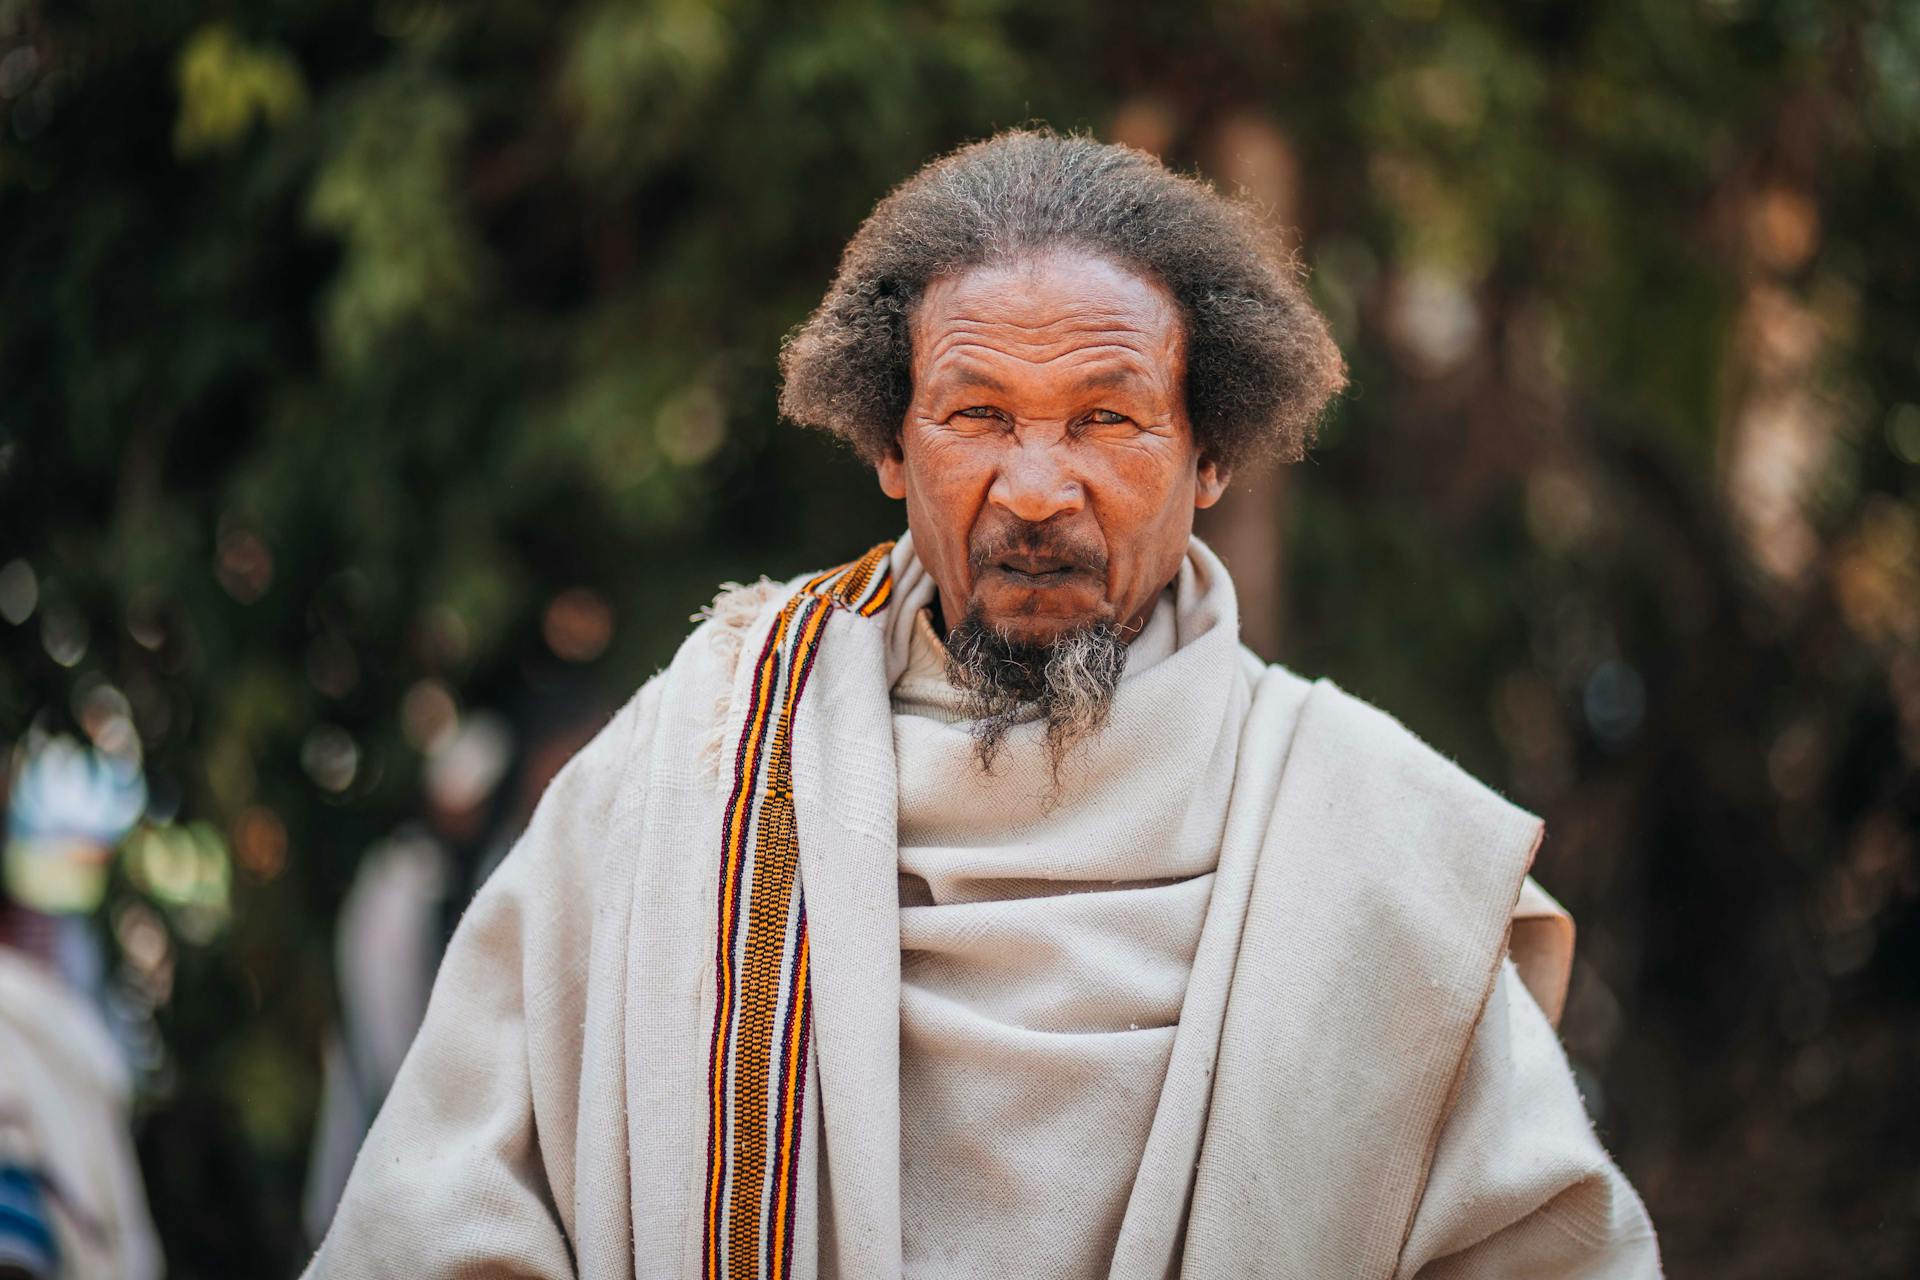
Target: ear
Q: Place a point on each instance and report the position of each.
(892, 470)
(1210, 482)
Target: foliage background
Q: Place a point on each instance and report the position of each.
(349, 349)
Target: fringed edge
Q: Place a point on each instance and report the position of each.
(733, 612)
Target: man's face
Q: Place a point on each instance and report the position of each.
(1048, 465)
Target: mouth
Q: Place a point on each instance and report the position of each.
(1036, 570)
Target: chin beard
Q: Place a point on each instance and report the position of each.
(1068, 682)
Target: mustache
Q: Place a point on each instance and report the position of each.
(1037, 542)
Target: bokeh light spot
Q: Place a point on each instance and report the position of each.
(65, 636)
(578, 625)
(331, 758)
(429, 717)
(1903, 433)
(243, 564)
(19, 591)
(260, 843)
(1615, 699)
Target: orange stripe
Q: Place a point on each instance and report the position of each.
(776, 849)
(736, 830)
(735, 845)
(859, 574)
(786, 1134)
(800, 653)
(773, 881)
(874, 605)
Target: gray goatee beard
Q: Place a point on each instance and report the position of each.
(1068, 682)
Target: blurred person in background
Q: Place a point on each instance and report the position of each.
(71, 1202)
(982, 905)
(479, 789)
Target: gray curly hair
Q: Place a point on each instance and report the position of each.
(1261, 365)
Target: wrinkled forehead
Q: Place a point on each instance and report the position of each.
(1056, 310)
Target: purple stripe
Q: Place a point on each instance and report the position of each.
(799, 1114)
(795, 996)
(745, 772)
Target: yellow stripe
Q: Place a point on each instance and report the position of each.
(735, 845)
(775, 875)
(774, 866)
(794, 1068)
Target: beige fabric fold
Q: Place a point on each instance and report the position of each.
(1358, 1084)
(1542, 948)
(1047, 934)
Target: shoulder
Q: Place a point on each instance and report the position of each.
(1492, 840)
(1347, 732)
(1459, 830)
(1366, 738)
(592, 777)
(571, 829)
(1431, 829)
(690, 701)
(740, 615)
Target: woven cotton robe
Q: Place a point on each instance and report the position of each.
(666, 1037)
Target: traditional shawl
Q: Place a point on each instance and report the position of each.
(1049, 921)
(665, 1038)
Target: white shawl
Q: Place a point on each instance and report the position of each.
(1368, 1090)
(1048, 929)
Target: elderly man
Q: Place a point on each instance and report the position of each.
(982, 906)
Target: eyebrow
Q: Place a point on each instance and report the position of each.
(968, 376)
(1107, 380)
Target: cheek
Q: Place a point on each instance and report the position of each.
(1145, 491)
(947, 485)
(944, 478)
(1146, 515)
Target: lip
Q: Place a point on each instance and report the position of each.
(1033, 569)
(1037, 578)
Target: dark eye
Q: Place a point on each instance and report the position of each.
(978, 411)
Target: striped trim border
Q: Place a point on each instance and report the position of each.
(763, 1007)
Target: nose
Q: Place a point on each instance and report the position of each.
(1035, 483)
